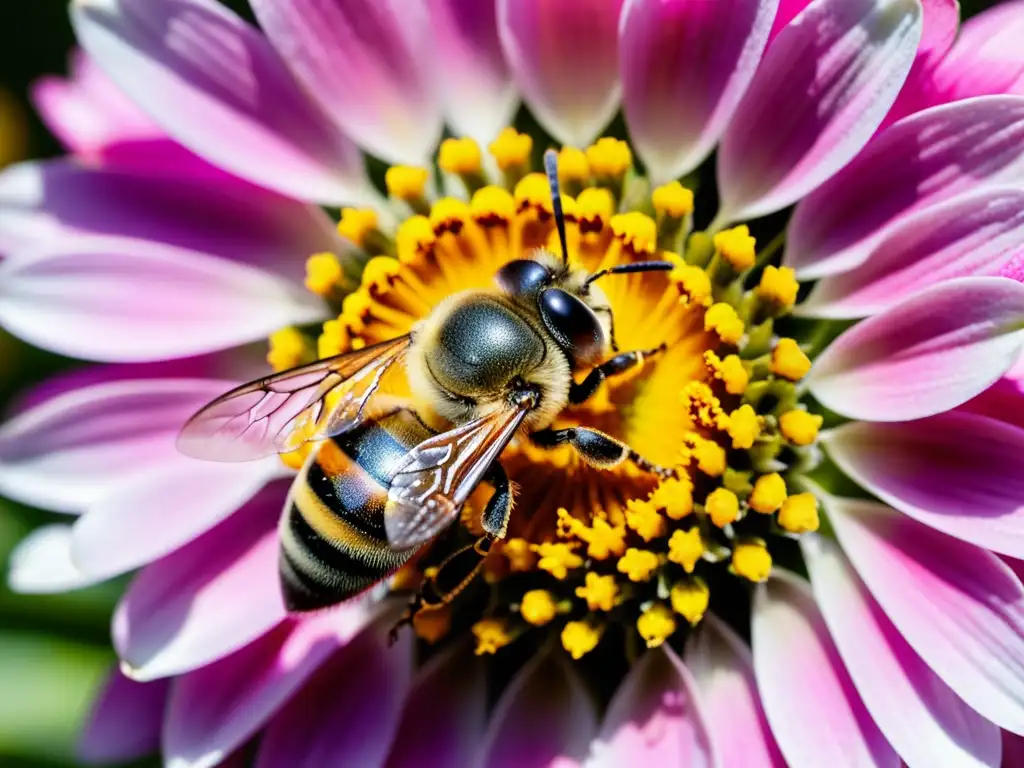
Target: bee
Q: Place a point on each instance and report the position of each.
(381, 482)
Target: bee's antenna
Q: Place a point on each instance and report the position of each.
(639, 266)
(551, 167)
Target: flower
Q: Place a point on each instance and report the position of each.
(869, 342)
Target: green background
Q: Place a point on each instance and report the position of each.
(54, 650)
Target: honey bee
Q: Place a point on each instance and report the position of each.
(381, 483)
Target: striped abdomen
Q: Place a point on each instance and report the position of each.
(333, 544)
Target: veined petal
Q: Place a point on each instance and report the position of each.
(655, 718)
(959, 473)
(125, 721)
(977, 233)
(215, 84)
(960, 608)
(126, 300)
(544, 717)
(925, 721)
(684, 66)
(479, 97)
(367, 62)
(41, 563)
(928, 354)
(207, 599)
(941, 152)
(723, 670)
(810, 701)
(821, 92)
(66, 452)
(216, 708)
(348, 713)
(564, 59)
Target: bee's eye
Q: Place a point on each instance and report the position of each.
(523, 276)
(573, 324)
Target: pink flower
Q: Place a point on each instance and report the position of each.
(176, 236)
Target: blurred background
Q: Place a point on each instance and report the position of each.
(54, 650)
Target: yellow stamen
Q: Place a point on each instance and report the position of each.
(532, 191)
(643, 517)
(459, 156)
(448, 215)
(333, 340)
(722, 506)
(710, 456)
(511, 149)
(406, 182)
(414, 238)
(750, 559)
(789, 361)
(690, 599)
(520, 555)
(656, 625)
(704, 408)
(800, 427)
(432, 622)
(638, 564)
(379, 272)
(693, 283)
(609, 157)
(599, 592)
(636, 230)
(580, 637)
(357, 223)
(730, 371)
(323, 273)
(685, 548)
(779, 286)
(573, 166)
(557, 558)
(799, 513)
(491, 635)
(538, 607)
(492, 205)
(673, 199)
(744, 427)
(768, 494)
(603, 539)
(674, 496)
(723, 320)
(737, 247)
(594, 209)
(288, 349)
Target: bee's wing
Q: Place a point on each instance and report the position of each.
(439, 474)
(281, 412)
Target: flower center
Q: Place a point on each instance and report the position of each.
(590, 549)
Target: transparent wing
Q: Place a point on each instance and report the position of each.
(281, 412)
(440, 473)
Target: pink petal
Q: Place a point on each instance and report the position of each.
(445, 713)
(207, 599)
(960, 608)
(940, 153)
(130, 301)
(367, 64)
(685, 64)
(479, 97)
(1004, 401)
(545, 717)
(974, 234)
(959, 473)
(821, 92)
(655, 718)
(564, 58)
(1013, 750)
(723, 671)
(348, 713)
(215, 84)
(66, 453)
(926, 355)
(810, 701)
(921, 717)
(788, 10)
(125, 721)
(41, 563)
(217, 708)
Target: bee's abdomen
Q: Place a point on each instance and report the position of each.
(333, 543)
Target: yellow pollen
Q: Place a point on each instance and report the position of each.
(532, 190)
(709, 455)
(768, 494)
(656, 625)
(730, 371)
(491, 635)
(288, 349)
(432, 623)
(557, 558)
(694, 283)
(799, 513)
(722, 506)
(690, 599)
(415, 237)
(595, 207)
(723, 320)
(573, 165)
(685, 548)
(609, 157)
(636, 230)
(737, 247)
(448, 214)
(355, 309)
(379, 272)
(323, 273)
(673, 199)
(674, 496)
(520, 556)
(603, 539)
(744, 427)
(406, 182)
(538, 607)
(778, 285)
(638, 564)
(702, 405)
(643, 518)
(460, 156)
(580, 637)
(800, 427)
(295, 459)
(750, 559)
(492, 205)
(357, 223)
(789, 361)
(511, 149)
(599, 592)
(333, 340)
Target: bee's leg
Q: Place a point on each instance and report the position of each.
(584, 390)
(596, 448)
(498, 509)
